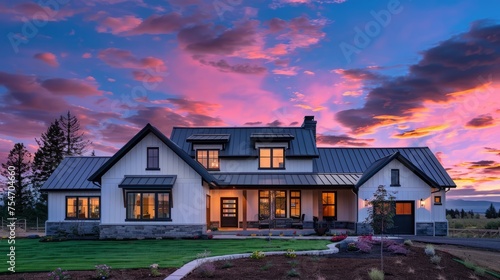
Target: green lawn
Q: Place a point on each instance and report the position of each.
(32, 255)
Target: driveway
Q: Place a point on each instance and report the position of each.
(481, 243)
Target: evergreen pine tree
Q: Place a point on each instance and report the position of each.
(491, 212)
(18, 167)
(74, 143)
(48, 156)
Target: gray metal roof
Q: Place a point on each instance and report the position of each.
(359, 160)
(148, 182)
(72, 174)
(272, 136)
(219, 138)
(241, 144)
(286, 179)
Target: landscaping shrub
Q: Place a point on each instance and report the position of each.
(293, 273)
(398, 249)
(290, 253)
(206, 270)
(59, 274)
(492, 225)
(338, 238)
(102, 271)
(376, 274)
(153, 270)
(429, 250)
(257, 255)
(435, 259)
(364, 245)
(408, 242)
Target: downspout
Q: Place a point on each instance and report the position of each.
(357, 210)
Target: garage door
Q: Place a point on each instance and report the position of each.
(404, 220)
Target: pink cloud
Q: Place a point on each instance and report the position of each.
(42, 13)
(86, 55)
(48, 58)
(60, 86)
(144, 76)
(125, 59)
(117, 25)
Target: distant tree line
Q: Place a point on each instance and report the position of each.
(62, 138)
(462, 214)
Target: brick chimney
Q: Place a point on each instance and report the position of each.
(310, 123)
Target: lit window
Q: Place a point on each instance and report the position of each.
(272, 158)
(437, 200)
(208, 158)
(295, 204)
(329, 205)
(404, 208)
(148, 206)
(82, 207)
(153, 158)
(395, 177)
(279, 199)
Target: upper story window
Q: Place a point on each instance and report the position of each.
(83, 207)
(272, 158)
(208, 158)
(437, 200)
(153, 161)
(395, 177)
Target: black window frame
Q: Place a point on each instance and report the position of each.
(436, 198)
(207, 151)
(157, 160)
(395, 178)
(300, 203)
(77, 197)
(285, 198)
(328, 218)
(155, 192)
(271, 157)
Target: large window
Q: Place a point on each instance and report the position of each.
(395, 177)
(272, 158)
(329, 200)
(208, 158)
(279, 200)
(153, 158)
(295, 204)
(83, 207)
(148, 206)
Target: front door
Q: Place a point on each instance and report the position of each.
(229, 212)
(404, 218)
(208, 211)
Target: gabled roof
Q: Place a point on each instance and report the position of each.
(241, 144)
(96, 177)
(364, 160)
(286, 179)
(72, 174)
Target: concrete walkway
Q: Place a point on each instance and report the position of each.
(190, 266)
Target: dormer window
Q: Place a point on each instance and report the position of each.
(153, 158)
(272, 158)
(208, 158)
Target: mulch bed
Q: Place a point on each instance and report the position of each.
(344, 265)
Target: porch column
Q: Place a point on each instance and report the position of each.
(244, 209)
(320, 205)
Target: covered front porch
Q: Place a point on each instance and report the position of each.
(281, 210)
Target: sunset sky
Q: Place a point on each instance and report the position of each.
(373, 73)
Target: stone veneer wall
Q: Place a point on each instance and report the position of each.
(425, 229)
(150, 231)
(441, 228)
(72, 228)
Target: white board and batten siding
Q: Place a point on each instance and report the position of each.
(57, 204)
(188, 193)
(252, 165)
(412, 189)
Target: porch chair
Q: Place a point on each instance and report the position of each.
(264, 222)
(299, 223)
